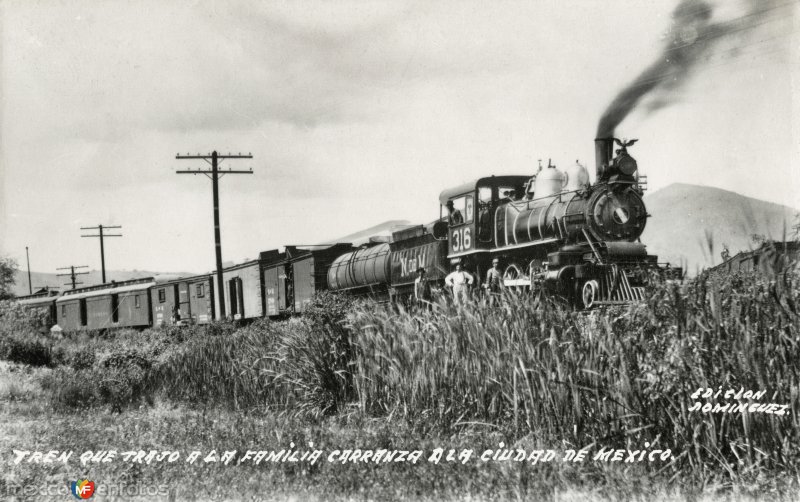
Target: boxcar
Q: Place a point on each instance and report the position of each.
(115, 305)
(277, 288)
(308, 269)
(244, 283)
(243, 297)
(182, 300)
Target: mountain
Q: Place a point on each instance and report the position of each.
(41, 279)
(384, 229)
(690, 224)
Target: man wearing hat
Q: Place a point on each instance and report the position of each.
(422, 288)
(494, 281)
(455, 217)
(460, 281)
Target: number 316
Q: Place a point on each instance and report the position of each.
(462, 239)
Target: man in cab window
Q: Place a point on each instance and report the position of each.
(455, 217)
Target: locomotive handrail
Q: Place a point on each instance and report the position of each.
(591, 245)
(554, 196)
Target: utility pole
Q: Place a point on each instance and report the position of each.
(28, 258)
(102, 251)
(215, 174)
(72, 274)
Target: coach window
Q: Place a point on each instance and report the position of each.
(162, 295)
(201, 290)
(136, 303)
(63, 311)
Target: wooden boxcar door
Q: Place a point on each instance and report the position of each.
(184, 304)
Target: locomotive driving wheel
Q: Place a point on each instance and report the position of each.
(516, 279)
(590, 294)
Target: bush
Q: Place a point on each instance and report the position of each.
(32, 351)
(116, 386)
(299, 364)
(330, 309)
(16, 320)
(70, 389)
(126, 359)
(218, 368)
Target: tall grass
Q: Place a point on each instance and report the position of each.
(616, 376)
(300, 365)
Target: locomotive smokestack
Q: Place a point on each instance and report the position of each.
(603, 153)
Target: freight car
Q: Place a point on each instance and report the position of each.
(117, 305)
(278, 283)
(387, 270)
(182, 300)
(767, 259)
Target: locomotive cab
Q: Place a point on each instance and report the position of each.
(468, 212)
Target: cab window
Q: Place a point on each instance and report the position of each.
(463, 209)
(484, 210)
(484, 195)
(504, 193)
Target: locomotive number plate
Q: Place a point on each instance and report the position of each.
(462, 239)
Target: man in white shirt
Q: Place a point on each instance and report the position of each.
(460, 281)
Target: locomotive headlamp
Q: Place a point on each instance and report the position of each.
(621, 215)
(626, 164)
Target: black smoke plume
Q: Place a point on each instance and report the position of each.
(692, 37)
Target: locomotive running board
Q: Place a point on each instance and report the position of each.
(615, 289)
(503, 249)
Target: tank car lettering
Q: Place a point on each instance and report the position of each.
(410, 264)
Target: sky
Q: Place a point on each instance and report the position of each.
(355, 113)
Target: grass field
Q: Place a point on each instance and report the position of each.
(525, 377)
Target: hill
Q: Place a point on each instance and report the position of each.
(384, 229)
(690, 224)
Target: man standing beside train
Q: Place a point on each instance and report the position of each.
(494, 282)
(460, 281)
(422, 289)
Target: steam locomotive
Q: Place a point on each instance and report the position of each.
(553, 231)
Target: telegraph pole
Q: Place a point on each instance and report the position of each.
(28, 258)
(215, 174)
(102, 251)
(72, 274)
